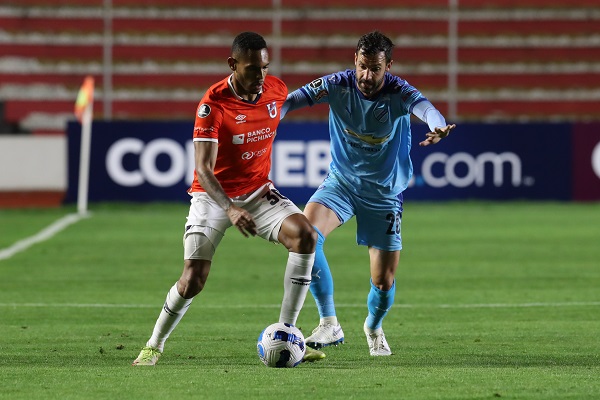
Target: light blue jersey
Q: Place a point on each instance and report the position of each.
(370, 138)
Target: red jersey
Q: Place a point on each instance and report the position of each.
(244, 131)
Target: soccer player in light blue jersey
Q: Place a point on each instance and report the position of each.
(369, 125)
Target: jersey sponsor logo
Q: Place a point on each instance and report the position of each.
(253, 136)
(240, 119)
(381, 112)
(361, 147)
(238, 139)
(201, 129)
(272, 107)
(251, 154)
(259, 134)
(204, 110)
(317, 83)
(368, 138)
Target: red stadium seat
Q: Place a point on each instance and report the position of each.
(504, 45)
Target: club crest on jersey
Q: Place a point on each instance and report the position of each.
(203, 110)
(238, 139)
(381, 113)
(272, 107)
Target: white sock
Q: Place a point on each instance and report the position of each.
(173, 310)
(329, 321)
(295, 285)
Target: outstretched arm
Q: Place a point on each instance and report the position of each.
(296, 99)
(427, 113)
(436, 135)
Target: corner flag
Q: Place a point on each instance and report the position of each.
(85, 97)
(84, 106)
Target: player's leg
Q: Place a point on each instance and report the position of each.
(299, 237)
(199, 244)
(328, 332)
(328, 208)
(279, 220)
(179, 298)
(380, 298)
(383, 287)
(379, 227)
(297, 272)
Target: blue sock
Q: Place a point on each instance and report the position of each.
(379, 303)
(321, 285)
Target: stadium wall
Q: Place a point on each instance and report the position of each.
(33, 170)
(153, 161)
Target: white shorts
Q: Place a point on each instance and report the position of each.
(207, 222)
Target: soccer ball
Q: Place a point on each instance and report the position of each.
(281, 346)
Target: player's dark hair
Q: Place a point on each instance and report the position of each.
(247, 41)
(374, 43)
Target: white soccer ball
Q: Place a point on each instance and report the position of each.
(281, 346)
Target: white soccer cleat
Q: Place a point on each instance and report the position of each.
(378, 346)
(325, 335)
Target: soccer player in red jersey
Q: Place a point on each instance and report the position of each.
(236, 122)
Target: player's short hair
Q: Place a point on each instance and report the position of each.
(247, 41)
(374, 43)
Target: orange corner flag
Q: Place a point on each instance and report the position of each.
(84, 97)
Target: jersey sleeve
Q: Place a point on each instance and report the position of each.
(209, 117)
(317, 91)
(410, 96)
(427, 113)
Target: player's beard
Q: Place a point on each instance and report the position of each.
(372, 87)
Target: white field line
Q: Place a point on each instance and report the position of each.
(41, 236)
(250, 306)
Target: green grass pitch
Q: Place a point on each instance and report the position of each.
(493, 300)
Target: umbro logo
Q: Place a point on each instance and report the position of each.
(301, 281)
(241, 118)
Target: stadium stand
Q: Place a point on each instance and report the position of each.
(516, 60)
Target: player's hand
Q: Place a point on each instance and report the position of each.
(242, 220)
(437, 135)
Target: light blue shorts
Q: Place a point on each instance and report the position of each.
(378, 220)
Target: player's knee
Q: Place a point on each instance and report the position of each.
(298, 235)
(306, 240)
(314, 238)
(383, 283)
